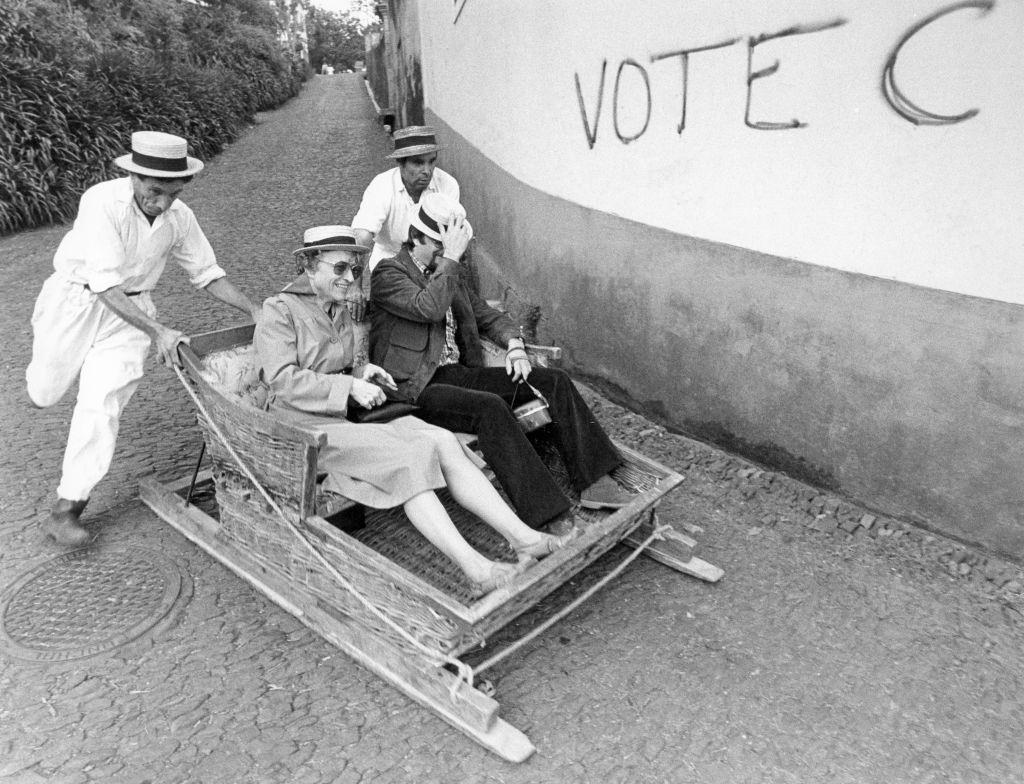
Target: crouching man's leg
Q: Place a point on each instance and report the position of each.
(109, 377)
(65, 322)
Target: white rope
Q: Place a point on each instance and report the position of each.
(655, 535)
(465, 672)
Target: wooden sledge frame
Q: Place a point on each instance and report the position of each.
(445, 693)
(472, 712)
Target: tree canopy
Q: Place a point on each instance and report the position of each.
(337, 38)
(78, 76)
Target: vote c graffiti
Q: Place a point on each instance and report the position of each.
(891, 91)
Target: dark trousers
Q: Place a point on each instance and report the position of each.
(479, 400)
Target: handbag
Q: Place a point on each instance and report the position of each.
(533, 414)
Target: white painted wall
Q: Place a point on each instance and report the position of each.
(859, 188)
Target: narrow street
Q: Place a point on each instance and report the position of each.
(839, 647)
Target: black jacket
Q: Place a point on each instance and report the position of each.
(408, 320)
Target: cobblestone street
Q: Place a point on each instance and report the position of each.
(841, 646)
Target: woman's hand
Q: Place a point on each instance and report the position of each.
(379, 375)
(366, 394)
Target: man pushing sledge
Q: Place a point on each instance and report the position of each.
(94, 318)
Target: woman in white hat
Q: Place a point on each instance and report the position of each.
(94, 319)
(313, 357)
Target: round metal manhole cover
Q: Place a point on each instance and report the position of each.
(88, 602)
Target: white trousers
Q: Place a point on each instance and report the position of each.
(76, 335)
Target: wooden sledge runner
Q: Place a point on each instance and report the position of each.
(380, 593)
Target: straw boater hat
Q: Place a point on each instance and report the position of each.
(414, 140)
(437, 210)
(329, 238)
(156, 154)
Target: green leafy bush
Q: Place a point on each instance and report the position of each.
(78, 76)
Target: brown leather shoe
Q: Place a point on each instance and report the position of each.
(63, 526)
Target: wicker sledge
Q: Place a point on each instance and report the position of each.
(378, 592)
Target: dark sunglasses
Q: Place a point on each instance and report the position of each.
(342, 266)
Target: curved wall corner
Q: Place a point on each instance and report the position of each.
(907, 399)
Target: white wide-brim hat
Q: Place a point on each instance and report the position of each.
(329, 238)
(414, 140)
(156, 154)
(437, 210)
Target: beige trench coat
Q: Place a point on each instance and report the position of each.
(307, 361)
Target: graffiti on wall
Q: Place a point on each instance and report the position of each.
(894, 96)
(752, 75)
(902, 105)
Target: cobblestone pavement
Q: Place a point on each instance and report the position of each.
(840, 646)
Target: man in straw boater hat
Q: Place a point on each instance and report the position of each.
(94, 319)
(391, 198)
(426, 328)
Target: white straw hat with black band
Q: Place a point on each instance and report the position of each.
(156, 154)
(329, 238)
(414, 140)
(437, 210)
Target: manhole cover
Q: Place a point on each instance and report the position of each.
(87, 602)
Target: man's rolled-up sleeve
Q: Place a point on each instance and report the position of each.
(293, 386)
(374, 207)
(195, 255)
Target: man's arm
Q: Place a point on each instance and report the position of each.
(366, 224)
(224, 290)
(497, 326)
(493, 323)
(359, 294)
(165, 338)
(364, 237)
(394, 291)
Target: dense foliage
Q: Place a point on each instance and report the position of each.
(78, 76)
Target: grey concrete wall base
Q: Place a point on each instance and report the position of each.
(906, 399)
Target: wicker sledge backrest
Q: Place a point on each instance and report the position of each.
(234, 373)
(222, 366)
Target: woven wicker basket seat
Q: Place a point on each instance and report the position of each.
(388, 558)
(381, 593)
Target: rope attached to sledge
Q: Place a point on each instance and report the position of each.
(656, 535)
(465, 672)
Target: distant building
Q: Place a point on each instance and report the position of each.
(291, 18)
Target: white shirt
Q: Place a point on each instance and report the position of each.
(387, 209)
(113, 244)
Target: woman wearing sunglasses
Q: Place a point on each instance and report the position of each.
(313, 357)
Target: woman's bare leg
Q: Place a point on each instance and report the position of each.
(430, 518)
(470, 488)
